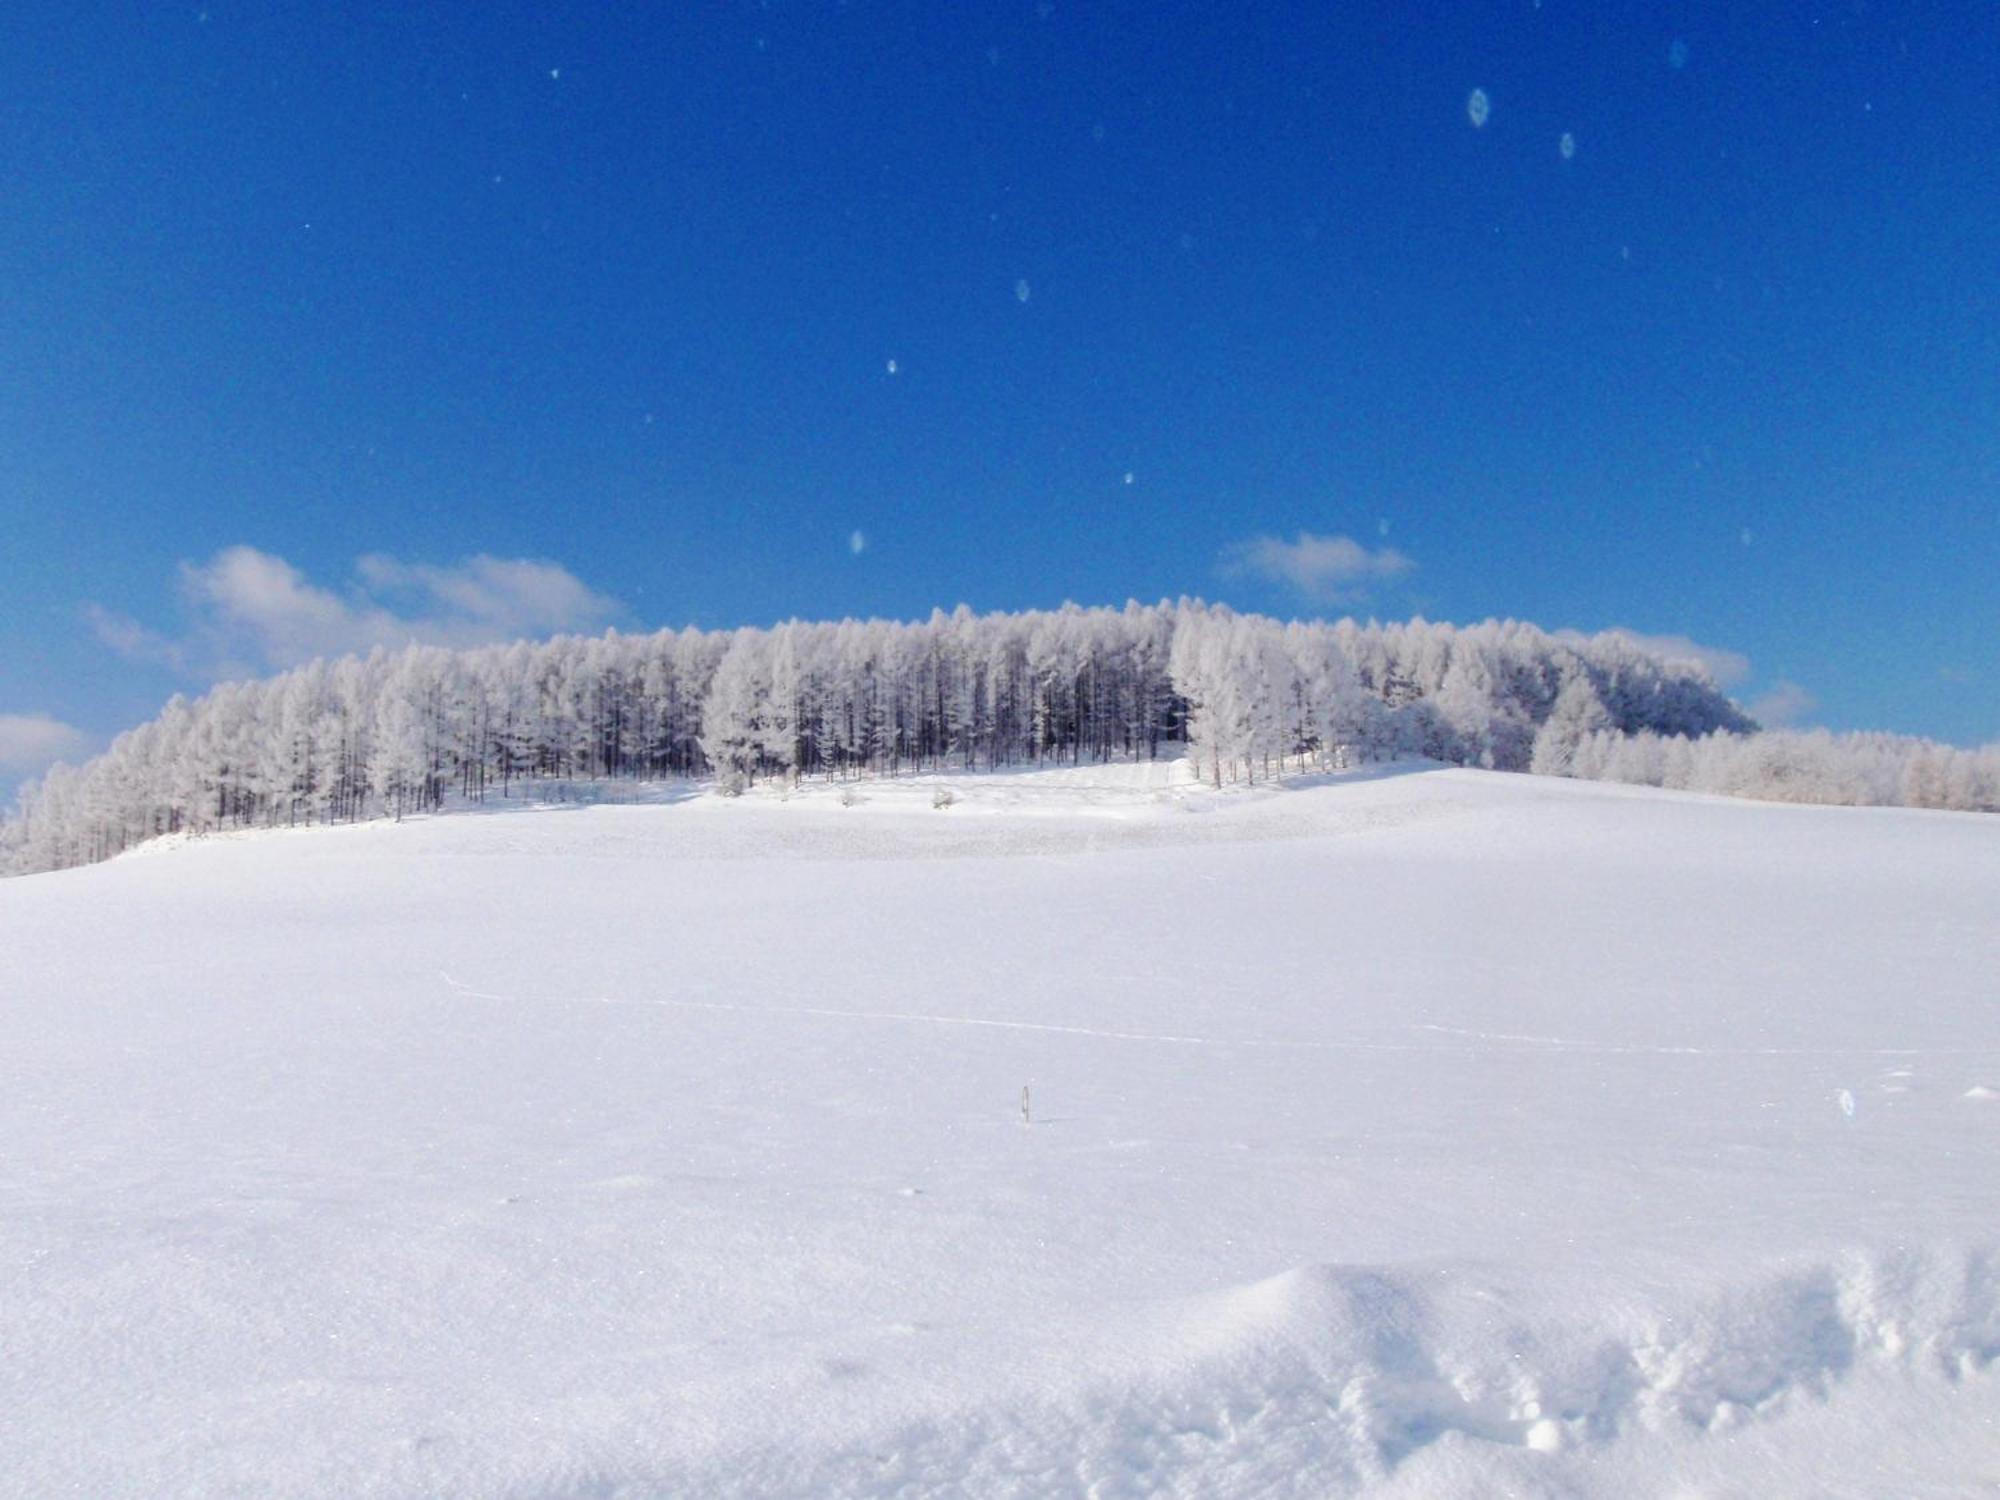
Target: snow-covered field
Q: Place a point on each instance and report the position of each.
(1424, 1134)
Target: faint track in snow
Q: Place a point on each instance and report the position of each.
(1618, 1049)
(1345, 1044)
(880, 1015)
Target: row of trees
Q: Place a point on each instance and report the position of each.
(1847, 770)
(411, 730)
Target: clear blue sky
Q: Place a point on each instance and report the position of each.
(620, 292)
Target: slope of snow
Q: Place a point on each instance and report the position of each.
(1422, 1134)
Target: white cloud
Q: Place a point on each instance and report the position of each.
(490, 596)
(265, 602)
(1728, 668)
(1781, 704)
(856, 543)
(1325, 569)
(251, 610)
(132, 640)
(31, 743)
(1785, 703)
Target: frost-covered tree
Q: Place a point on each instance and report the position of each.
(1209, 674)
(1578, 713)
(732, 713)
(397, 736)
(778, 737)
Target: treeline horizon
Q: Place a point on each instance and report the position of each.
(402, 731)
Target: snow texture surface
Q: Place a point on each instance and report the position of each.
(1415, 1134)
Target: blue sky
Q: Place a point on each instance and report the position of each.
(323, 326)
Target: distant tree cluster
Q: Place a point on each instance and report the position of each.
(1847, 770)
(1257, 692)
(412, 730)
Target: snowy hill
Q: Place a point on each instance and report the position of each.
(1432, 1133)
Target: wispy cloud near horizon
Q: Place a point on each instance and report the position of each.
(31, 743)
(1321, 569)
(251, 610)
(1782, 706)
(1729, 668)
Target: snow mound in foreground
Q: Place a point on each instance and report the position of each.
(1334, 1380)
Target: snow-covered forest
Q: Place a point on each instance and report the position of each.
(1247, 696)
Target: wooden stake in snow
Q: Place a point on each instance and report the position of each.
(1025, 1118)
